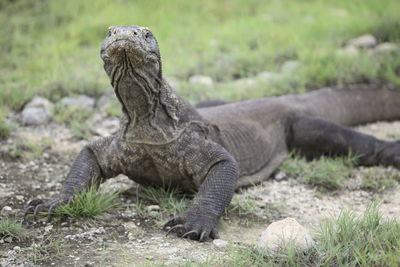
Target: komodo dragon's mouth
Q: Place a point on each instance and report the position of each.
(120, 41)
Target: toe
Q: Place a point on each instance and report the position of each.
(28, 210)
(204, 235)
(214, 234)
(191, 234)
(172, 222)
(175, 229)
(38, 209)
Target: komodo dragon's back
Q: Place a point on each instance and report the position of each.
(254, 131)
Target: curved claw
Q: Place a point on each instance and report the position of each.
(200, 227)
(190, 232)
(35, 202)
(28, 210)
(50, 211)
(204, 235)
(179, 226)
(32, 205)
(173, 221)
(37, 209)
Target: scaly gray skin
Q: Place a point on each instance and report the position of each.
(164, 141)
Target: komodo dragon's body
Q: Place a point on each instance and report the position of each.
(163, 140)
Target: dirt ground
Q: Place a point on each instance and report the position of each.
(123, 238)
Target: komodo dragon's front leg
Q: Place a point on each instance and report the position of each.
(313, 137)
(84, 171)
(200, 221)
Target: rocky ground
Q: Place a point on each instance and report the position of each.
(36, 159)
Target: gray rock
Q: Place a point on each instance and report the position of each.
(120, 183)
(40, 102)
(363, 41)
(219, 243)
(153, 208)
(201, 80)
(290, 66)
(6, 211)
(267, 76)
(280, 176)
(48, 228)
(19, 197)
(349, 51)
(386, 48)
(37, 112)
(83, 102)
(35, 116)
(281, 234)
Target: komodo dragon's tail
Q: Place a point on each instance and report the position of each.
(350, 105)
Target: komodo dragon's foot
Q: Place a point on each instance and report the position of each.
(194, 226)
(35, 206)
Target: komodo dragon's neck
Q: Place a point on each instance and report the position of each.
(153, 112)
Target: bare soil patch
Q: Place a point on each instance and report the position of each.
(123, 238)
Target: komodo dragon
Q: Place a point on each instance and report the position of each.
(163, 140)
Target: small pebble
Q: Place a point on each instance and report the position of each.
(19, 197)
(280, 176)
(219, 243)
(153, 208)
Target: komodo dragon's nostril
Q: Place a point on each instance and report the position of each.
(112, 30)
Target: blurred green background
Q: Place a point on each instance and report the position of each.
(52, 48)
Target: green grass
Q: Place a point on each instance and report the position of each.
(13, 229)
(349, 240)
(5, 130)
(325, 173)
(89, 204)
(379, 179)
(243, 205)
(172, 201)
(52, 47)
(245, 208)
(47, 250)
(360, 241)
(332, 173)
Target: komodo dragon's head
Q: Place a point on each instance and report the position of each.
(130, 48)
(132, 61)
